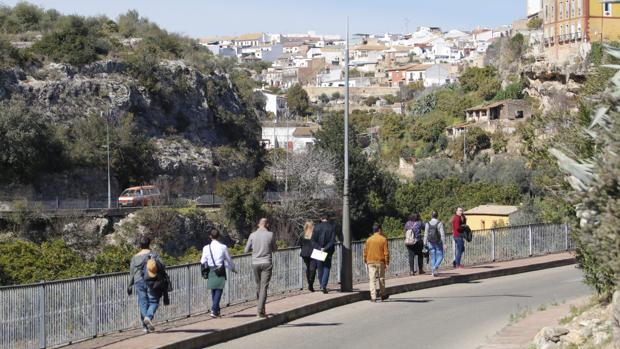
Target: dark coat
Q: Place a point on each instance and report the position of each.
(306, 247)
(324, 237)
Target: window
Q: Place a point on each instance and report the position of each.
(572, 31)
(566, 9)
(580, 7)
(561, 9)
(546, 12)
(607, 9)
(578, 30)
(519, 114)
(572, 8)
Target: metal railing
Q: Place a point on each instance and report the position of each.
(86, 203)
(54, 313)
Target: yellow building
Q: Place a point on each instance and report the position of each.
(604, 20)
(489, 216)
(567, 24)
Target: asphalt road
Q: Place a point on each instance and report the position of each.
(455, 316)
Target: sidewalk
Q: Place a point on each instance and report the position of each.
(240, 320)
(521, 334)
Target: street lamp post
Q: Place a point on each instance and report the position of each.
(346, 270)
(107, 131)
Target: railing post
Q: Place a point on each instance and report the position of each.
(42, 336)
(339, 254)
(227, 286)
(94, 309)
(189, 290)
(493, 245)
(301, 273)
(529, 229)
(87, 202)
(566, 236)
(57, 202)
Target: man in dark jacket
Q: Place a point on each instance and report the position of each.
(324, 239)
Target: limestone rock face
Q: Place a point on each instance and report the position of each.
(185, 112)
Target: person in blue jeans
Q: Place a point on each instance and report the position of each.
(215, 255)
(458, 222)
(324, 239)
(434, 239)
(148, 297)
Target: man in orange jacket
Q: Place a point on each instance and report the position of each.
(377, 259)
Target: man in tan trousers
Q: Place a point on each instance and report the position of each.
(377, 259)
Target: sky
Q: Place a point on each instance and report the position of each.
(201, 18)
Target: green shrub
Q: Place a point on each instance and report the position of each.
(392, 227)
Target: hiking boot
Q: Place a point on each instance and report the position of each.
(149, 324)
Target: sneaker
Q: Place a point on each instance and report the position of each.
(149, 324)
(383, 298)
(461, 266)
(145, 330)
(214, 315)
(373, 301)
(311, 288)
(324, 290)
(261, 316)
(422, 272)
(453, 264)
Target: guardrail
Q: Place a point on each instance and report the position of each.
(59, 203)
(59, 312)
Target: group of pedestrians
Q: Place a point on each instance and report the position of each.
(430, 238)
(318, 242)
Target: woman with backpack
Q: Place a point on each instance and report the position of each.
(147, 273)
(414, 242)
(215, 256)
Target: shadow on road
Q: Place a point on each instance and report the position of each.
(408, 300)
(428, 299)
(313, 324)
(189, 331)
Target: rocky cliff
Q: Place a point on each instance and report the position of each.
(187, 115)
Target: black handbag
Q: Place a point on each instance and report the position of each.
(219, 271)
(204, 270)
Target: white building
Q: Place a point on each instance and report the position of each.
(275, 104)
(294, 138)
(438, 75)
(533, 7)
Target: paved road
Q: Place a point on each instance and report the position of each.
(455, 316)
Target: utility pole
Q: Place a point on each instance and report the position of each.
(346, 270)
(286, 149)
(107, 131)
(464, 145)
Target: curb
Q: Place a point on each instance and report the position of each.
(213, 338)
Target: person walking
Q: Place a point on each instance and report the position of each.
(414, 243)
(458, 223)
(377, 259)
(262, 244)
(306, 252)
(215, 255)
(435, 239)
(324, 239)
(147, 273)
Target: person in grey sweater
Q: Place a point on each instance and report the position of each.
(262, 244)
(434, 239)
(148, 297)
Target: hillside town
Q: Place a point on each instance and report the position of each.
(384, 67)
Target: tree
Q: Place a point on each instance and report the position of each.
(243, 202)
(370, 101)
(73, 41)
(324, 98)
(336, 96)
(534, 23)
(297, 100)
(367, 179)
(595, 182)
(28, 145)
(482, 81)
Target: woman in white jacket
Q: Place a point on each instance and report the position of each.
(215, 255)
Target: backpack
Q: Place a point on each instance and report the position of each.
(434, 236)
(467, 235)
(410, 240)
(159, 282)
